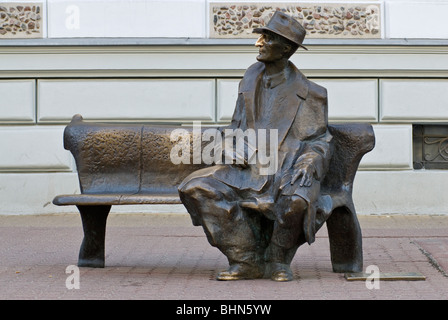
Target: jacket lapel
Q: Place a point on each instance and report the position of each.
(289, 100)
(290, 97)
(249, 103)
(248, 90)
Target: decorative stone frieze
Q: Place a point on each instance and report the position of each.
(321, 20)
(20, 20)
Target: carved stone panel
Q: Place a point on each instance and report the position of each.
(21, 20)
(320, 19)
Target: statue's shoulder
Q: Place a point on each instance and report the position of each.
(317, 90)
(254, 69)
(248, 81)
(305, 87)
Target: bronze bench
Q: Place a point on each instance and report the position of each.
(129, 164)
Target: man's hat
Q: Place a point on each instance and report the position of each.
(285, 26)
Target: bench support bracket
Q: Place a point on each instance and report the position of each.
(345, 238)
(94, 220)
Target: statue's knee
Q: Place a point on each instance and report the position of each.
(298, 204)
(198, 189)
(187, 188)
(293, 212)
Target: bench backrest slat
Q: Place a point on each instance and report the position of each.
(135, 158)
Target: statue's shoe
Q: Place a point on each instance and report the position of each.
(240, 272)
(281, 272)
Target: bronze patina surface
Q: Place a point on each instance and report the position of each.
(259, 220)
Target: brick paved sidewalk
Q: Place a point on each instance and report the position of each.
(157, 257)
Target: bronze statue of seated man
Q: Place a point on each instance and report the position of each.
(259, 220)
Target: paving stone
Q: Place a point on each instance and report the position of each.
(163, 257)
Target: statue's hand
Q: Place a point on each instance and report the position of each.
(306, 171)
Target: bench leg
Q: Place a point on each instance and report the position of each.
(345, 238)
(93, 219)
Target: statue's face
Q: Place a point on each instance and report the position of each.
(271, 48)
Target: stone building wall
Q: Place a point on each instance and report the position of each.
(383, 62)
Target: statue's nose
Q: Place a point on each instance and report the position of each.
(259, 42)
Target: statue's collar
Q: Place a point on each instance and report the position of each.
(256, 71)
(271, 81)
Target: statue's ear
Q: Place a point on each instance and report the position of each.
(287, 49)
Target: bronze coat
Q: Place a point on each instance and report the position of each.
(301, 117)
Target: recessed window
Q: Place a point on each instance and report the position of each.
(430, 143)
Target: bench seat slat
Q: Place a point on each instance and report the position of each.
(115, 199)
